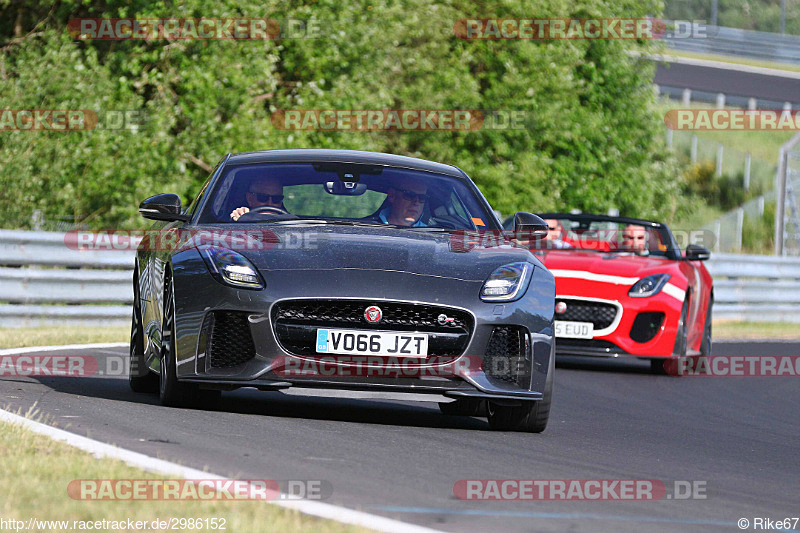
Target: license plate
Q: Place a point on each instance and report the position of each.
(574, 330)
(360, 342)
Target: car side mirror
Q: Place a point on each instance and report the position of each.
(695, 252)
(531, 224)
(163, 207)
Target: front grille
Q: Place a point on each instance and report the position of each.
(230, 343)
(600, 314)
(296, 322)
(505, 356)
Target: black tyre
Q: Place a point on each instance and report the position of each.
(531, 417)
(705, 346)
(701, 362)
(171, 391)
(659, 366)
(140, 378)
(464, 407)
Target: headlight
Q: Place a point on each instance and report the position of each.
(507, 283)
(231, 267)
(649, 286)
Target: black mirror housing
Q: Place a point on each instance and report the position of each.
(163, 207)
(695, 252)
(531, 224)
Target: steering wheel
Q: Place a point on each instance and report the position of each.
(268, 210)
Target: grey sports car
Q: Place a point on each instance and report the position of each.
(343, 272)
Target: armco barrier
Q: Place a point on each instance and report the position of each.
(44, 282)
(756, 288)
(742, 43)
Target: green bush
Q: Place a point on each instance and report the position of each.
(725, 192)
(758, 233)
(593, 141)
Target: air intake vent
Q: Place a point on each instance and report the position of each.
(646, 326)
(505, 356)
(231, 343)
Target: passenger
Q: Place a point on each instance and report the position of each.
(555, 234)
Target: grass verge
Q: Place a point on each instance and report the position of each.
(755, 330)
(37, 470)
(44, 336)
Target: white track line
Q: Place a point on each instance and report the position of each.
(33, 349)
(100, 449)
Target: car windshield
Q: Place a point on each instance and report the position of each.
(583, 233)
(346, 193)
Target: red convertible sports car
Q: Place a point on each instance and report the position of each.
(623, 287)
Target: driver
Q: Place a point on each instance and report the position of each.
(634, 239)
(406, 199)
(264, 192)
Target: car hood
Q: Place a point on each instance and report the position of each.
(320, 247)
(611, 264)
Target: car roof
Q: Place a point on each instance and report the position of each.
(344, 156)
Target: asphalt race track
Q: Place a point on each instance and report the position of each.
(731, 82)
(609, 421)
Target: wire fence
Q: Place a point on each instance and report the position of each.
(753, 175)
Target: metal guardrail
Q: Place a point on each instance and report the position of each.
(745, 43)
(45, 280)
(756, 288)
(56, 284)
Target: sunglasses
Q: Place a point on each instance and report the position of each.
(271, 198)
(410, 196)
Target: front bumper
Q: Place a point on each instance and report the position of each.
(200, 300)
(619, 338)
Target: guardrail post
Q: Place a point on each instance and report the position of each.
(747, 160)
(693, 155)
(687, 97)
(719, 160)
(752, 104)
(669, 137)
(780, 206)
(717, 234)
(720, 100)
(739, 228)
